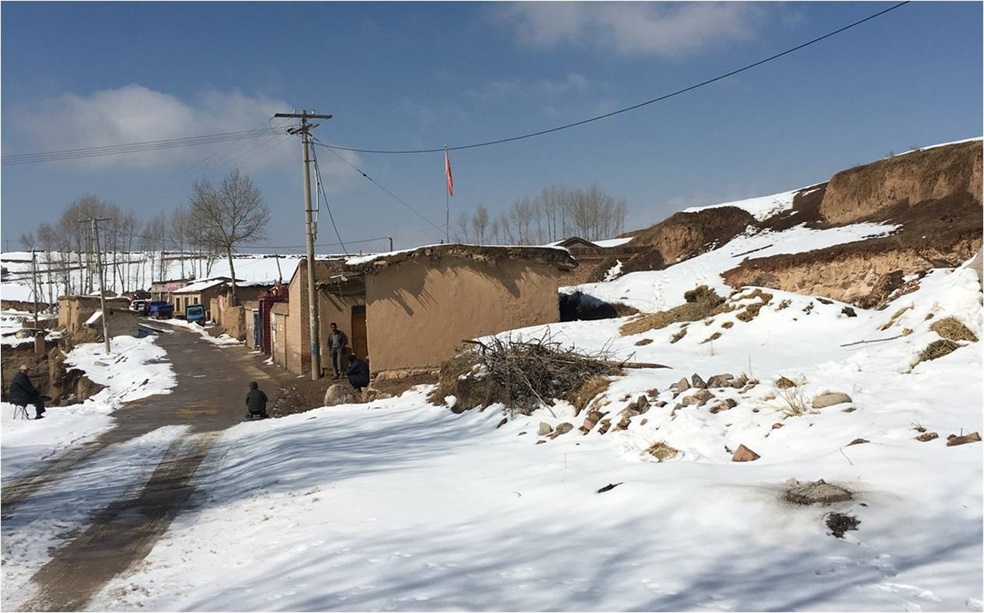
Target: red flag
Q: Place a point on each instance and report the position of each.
(447, 172)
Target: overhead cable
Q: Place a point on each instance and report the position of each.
(626, 109)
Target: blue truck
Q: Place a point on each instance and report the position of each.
(158, 309)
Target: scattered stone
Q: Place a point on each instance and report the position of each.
(724, 380)
(824, 301)
(521, 433)
(858, 441)
(562, 428)
(502, 422)
(544, 429)
(604, 425)
(840, 523)
(829, 399)
(642, 404)
(591, 420)
(927, 436)
(697, 382)
(744, 454)
(740, 382)
(813, 492)
(849, 312)
(339, 393)
(953, 439)
(680, 386)
(371, 394)
(699, 398)
(724, 405)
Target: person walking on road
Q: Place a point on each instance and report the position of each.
(256, 402)
(336, 348)
(23, 392)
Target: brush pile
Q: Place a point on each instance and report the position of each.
(522, 375)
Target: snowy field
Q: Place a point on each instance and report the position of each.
(400, 505)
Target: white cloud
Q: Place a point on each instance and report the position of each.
(137, 114)
(630, 28)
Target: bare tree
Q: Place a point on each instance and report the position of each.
(230, 215)
(461, 221)
(480, 223)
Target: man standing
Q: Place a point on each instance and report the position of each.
(23, 392)
(336, 348)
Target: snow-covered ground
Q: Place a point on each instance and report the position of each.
(400, 505)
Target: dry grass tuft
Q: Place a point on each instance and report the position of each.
(891, 321)
(712, 337)
(680, 334)
(951, 328)
(701, 302)
(662, 452)
(643, 342)
(937, 349)
(785, 383)
(588, 391)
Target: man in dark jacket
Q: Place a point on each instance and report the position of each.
(256, 402)
(23, 392)
(357, 373)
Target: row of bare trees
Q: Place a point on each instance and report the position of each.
(557, 212)
(216, 220)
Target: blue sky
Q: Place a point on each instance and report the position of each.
(399, 76)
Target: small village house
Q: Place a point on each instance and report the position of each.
(409, 310)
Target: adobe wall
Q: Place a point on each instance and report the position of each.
(419, 312)
(234, 322)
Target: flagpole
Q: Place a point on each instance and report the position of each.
(447, 205)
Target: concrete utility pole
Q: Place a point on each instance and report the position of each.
(102, 278)
(313, 327)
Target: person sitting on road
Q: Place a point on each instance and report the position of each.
(256, 402)
(22, 392)
(357, 373)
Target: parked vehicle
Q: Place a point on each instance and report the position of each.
(195, 314)
(159, 309)
(139, 306)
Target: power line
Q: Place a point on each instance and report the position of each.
(86, 152)
(629, 108)
(321, 192)
(374, 182)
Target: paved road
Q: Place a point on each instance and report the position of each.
(212, 382)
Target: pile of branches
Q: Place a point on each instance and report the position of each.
(534, 373)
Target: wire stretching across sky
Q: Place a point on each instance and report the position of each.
(629, 108)
(30, 158)
(72, 154)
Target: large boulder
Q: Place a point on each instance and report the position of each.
(339, 393)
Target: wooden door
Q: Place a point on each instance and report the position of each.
(360, 345)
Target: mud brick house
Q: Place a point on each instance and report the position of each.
(161, 290)
(258, 316)
(75, 311)
(199, 292)
(409, 310)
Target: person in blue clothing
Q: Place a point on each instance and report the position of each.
(357, 373)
